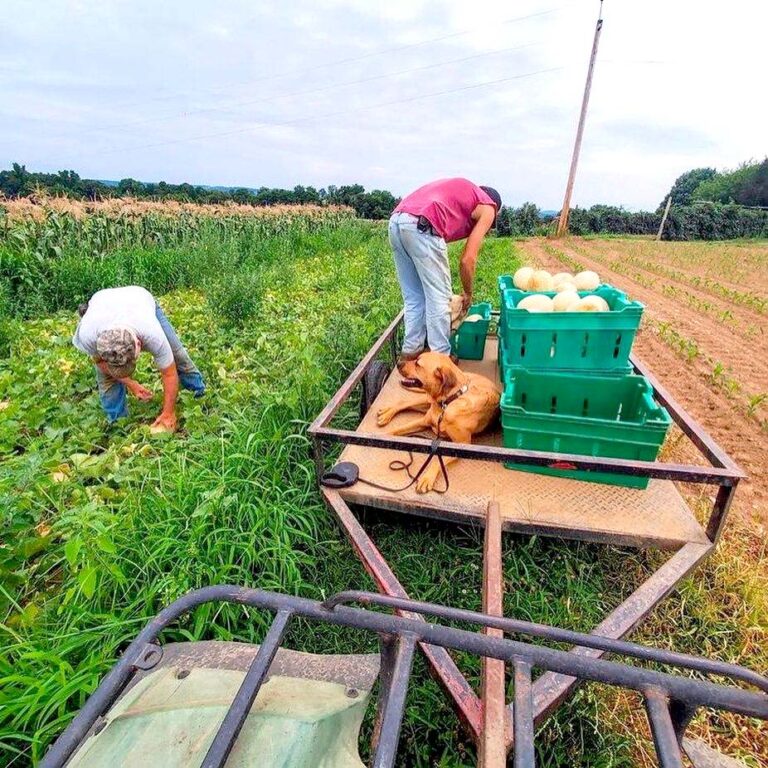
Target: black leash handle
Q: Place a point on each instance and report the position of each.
(347, 473)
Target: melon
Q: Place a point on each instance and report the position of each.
(541, 281)
(565, 300)
(522, 278)
(536, 303)
(473, 318)
(562, 276)
(591, 304)
(565, 285)
(587, 281)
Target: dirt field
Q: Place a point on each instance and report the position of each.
(706, 338)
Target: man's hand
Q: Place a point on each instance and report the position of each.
(165, 422)
(138, 391)
(466, 301)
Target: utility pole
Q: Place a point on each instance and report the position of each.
(664, 217)
(562, 224)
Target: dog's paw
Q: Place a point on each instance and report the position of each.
(427, 480)
(384, 416)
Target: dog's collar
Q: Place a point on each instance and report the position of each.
(457, 394)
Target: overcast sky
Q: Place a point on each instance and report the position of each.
(389, 94)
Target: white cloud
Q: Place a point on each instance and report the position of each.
(251, 92)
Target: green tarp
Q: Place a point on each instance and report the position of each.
(170, 722)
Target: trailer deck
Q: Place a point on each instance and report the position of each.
(528, 503)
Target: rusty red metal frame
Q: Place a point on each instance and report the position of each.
(723, 471)
(552, 688)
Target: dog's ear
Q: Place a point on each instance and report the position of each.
(447, 378)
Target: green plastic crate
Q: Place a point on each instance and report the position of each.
(586, 415)
(468, 342)
(570, 341)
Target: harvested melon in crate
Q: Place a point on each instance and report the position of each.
(570, 339)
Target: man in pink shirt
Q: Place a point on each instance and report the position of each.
(438, 213)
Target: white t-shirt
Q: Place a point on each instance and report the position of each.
(131, 307)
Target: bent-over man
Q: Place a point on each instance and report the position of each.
(115, 326)
(438, 213)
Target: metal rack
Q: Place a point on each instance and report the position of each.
(671, 700)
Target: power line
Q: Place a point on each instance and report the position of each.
(296, 121)
(310, 91)
(362, 57)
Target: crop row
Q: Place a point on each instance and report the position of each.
(724, 316)
(55, 262)
(122, 207)
(750, 300)
(736, 259)
(720, 376)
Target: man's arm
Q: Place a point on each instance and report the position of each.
(167, 417)
(484, 216)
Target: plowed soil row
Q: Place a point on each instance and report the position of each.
(745, 319)
(740, 346)
(741, 268)
(723, 416)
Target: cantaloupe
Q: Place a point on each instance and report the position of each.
(562, 276)
(587, 281)
(591, 304)
(536, 303)
(541, 281)
(565, 285)
(522, 278)
(473, 318)
(564, 301)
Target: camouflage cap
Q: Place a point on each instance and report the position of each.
(117, 348)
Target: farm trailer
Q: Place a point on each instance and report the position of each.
(483, 492)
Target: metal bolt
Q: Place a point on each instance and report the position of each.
(353, 693)
(182, 673)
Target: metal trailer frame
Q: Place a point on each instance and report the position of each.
(671, 700)
(488, 719)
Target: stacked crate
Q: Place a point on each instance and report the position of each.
(468, 341)
(569, 386)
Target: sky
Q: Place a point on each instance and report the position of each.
(387, 94)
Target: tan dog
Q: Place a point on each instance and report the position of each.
(456, 403)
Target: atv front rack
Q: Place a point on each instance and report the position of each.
(671, 700)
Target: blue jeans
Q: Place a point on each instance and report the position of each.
(421, 261)
(113, 393)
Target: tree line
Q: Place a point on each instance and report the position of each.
(19, 182)
(706, 204)
(746, 185)
(704, 221)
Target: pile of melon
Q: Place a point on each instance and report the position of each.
(566, 287)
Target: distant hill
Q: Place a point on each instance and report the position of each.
(214, 188)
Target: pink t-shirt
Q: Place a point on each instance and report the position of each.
(447, 204)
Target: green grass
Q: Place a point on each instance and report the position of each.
(103, 526)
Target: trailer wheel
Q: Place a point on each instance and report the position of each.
(373, 382)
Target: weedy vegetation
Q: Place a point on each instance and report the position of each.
(102, 526)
